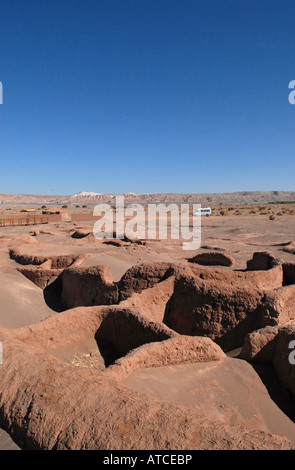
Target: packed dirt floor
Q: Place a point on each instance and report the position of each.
(125, 344)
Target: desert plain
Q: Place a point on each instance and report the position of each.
(139, 344)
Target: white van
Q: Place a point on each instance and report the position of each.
(203, 211)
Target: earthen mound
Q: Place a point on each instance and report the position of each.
(209, 247)
(267, 278)
(58, 261)
(40, 275)
(117, 243)
(275, 345)
(192, 300)
(290, 248)
(80, 233)
(262, 261)
(289, 273)
(36, 233)
(88, 286)
(158, 314)
(143, 276)
(259, 345)
(39, 403)
(222, 312)
(212, 258)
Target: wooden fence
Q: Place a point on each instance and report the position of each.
(17, 221)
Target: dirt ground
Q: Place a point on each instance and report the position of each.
(232, 392)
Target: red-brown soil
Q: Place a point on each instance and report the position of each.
(123, 345)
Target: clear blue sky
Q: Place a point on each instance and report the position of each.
(146, 95)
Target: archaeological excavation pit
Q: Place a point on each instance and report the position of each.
(102, 334)
(122, 331)
(158, 321)
(191, 299)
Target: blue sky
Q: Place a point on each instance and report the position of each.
(146, 95)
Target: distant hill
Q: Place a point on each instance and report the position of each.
(88, 197)
(85, 194)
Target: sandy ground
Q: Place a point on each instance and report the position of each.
(6, 443)
(232, 391)
(22, 303)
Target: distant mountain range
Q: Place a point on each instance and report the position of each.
(91, 198)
